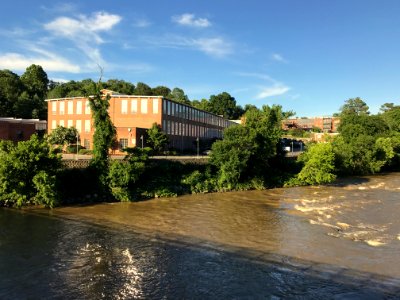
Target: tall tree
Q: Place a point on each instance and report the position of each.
(104, 135)
(35, 81)
(178, 95)
(161, 91)
(120, 86)
(157, 138)
(355, 106)
(143, 89)
(10, 89)
(223, 104)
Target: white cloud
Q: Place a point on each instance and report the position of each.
(213, 46)
(275, 90)
(142, 23)
(190, 20)
(278, 57)
(84, 31)
(216, 47)
(18, 62)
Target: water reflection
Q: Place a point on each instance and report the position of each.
(301, 242)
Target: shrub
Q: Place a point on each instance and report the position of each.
(318, 166)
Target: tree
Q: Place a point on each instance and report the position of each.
(355, 106)
(223, 104)
(10, 89)
(143, 89)
(120, 86)
(36, 81)
(27, 173)
(104, 135)
(319, 165)
(178, 95)
(157, 138)
(61, 136)
(203, 104)
(232, 156)
(391, 115)
(161, 91)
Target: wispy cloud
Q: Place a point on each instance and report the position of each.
(84, 31)
(215, 46)
(18, 62)
(279, 58)
(191, 21)
(277, 88)
(142, 23)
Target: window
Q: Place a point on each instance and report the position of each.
(54, 107)
(87, 108)
(123, 143)
(133, 106)
(87, 125)
(124, 106)
(164, 125)
(70, 107)
(169, 108)
(155, 106)
(53, 124)
(62, 123)
(143, 106)
(86, 143)
(164, 106)
(70, 123)
(78, 107)
(173, 107)
(62, 107)
(79, 125)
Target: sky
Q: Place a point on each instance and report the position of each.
(308, 56)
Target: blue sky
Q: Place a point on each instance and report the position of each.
(309, 56)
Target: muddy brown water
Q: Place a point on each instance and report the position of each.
(328, 242)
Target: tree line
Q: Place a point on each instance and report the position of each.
(23, 96)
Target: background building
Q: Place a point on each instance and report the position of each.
(133, 115)
(326, 124)
(20, 129)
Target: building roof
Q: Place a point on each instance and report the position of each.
(25, 121)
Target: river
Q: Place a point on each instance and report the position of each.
(329, 242)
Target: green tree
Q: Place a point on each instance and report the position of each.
(202, 104)
(36, 81)
(391, 116)
(62, 135)
(223, 104)
(120, 86)
(232, 156)
(157, 138)
(10, 89)
(143, 89)
(178, 95)
(27, 173)
(161, 91)
(319, 165)
(355, 106)
(104, 135)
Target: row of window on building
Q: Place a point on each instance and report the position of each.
(70, 107)
(70, 123)
(185, 129)
(189, 113)
(144, 103)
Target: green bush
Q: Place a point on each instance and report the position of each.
(72, 149)
(84, 151)
(319, 165)
(27, 173)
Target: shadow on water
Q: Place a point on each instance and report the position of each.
(56, 257)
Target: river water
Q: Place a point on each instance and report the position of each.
(330, 242)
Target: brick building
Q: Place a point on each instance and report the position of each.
(326, 124)
(20, 129)
(133, 115)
